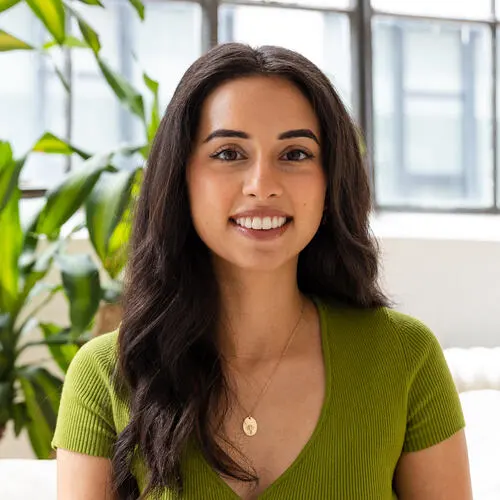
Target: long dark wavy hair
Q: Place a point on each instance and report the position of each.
(167, 355)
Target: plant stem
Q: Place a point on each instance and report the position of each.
(68, 101)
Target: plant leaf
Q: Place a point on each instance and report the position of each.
(52, 15)
(49, 143)
(31, 321)
(70, 41)
(42, 395)
(154, 119)
(105, 208)
(127, 95)
(10, 249)
(80, 277)
(38, 270)
(66, 337)
(20, 416)
(59, 74)
(7, 4)
(41, 287)
(92, 2)
(88, 33)
(139, 7)
(7, 351)
(10, 42)
(62, 353)
(27, 327)
(6, 401)
(66, 198)
(9, 173)
(118, 245)
(128, 150)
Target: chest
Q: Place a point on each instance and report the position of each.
(286, 420)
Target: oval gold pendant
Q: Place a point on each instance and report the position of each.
(250, 426)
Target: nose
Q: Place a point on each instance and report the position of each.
(262, 181)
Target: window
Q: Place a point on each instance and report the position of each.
(21, 86)
(418, 75)
(323, 37)
(338, 4)
(432, 113)
(33, 100)
(470, 9)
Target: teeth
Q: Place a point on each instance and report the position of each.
(261, 223)
(256, 223)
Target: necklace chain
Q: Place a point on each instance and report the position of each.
(249, 423)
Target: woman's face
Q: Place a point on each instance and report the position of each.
(255, 177)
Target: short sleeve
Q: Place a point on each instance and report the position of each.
(434, 412)
(85, 418)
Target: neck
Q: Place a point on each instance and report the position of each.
(259, 313)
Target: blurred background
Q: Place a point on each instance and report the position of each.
(82, 85)
(420, 75)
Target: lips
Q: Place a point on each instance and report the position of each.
(261, 223)
(258, 229)
(262, 213)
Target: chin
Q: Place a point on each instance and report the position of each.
(261, 263)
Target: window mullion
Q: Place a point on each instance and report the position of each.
(210, 24)
(494, 104)
(362, 77)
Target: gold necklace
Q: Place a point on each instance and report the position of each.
(250, 425)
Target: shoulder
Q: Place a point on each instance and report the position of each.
(103, 348)
(416, 339)
(381, 330)
(88, 398)
(94, 363)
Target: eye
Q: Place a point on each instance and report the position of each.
(297, 155)
(227, 154)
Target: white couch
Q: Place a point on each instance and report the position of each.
(475, 371)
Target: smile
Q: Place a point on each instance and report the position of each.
(261, 223)
(261, 228)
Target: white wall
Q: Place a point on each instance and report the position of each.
(444, 270)
(453, 286)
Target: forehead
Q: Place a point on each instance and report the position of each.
(256, 104)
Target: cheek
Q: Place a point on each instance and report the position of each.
(312, 194)
(209, 197)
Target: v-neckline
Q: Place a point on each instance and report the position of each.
(220, 483)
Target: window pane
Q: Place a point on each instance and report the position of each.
(474, 9)
(432, 113)
(106, 22)
(433, 158)
(96, 120)
(167, 43)
(21, 120)
(339, 4)
(324, 38)
(34, 100)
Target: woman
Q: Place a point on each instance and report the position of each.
(257, 357)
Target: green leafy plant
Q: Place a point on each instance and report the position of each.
(104, 191)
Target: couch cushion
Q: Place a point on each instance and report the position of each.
(23, 479)
(482, 417)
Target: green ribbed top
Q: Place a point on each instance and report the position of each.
(388, 391)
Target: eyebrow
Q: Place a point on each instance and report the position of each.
(290, 134)
(301, 132)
